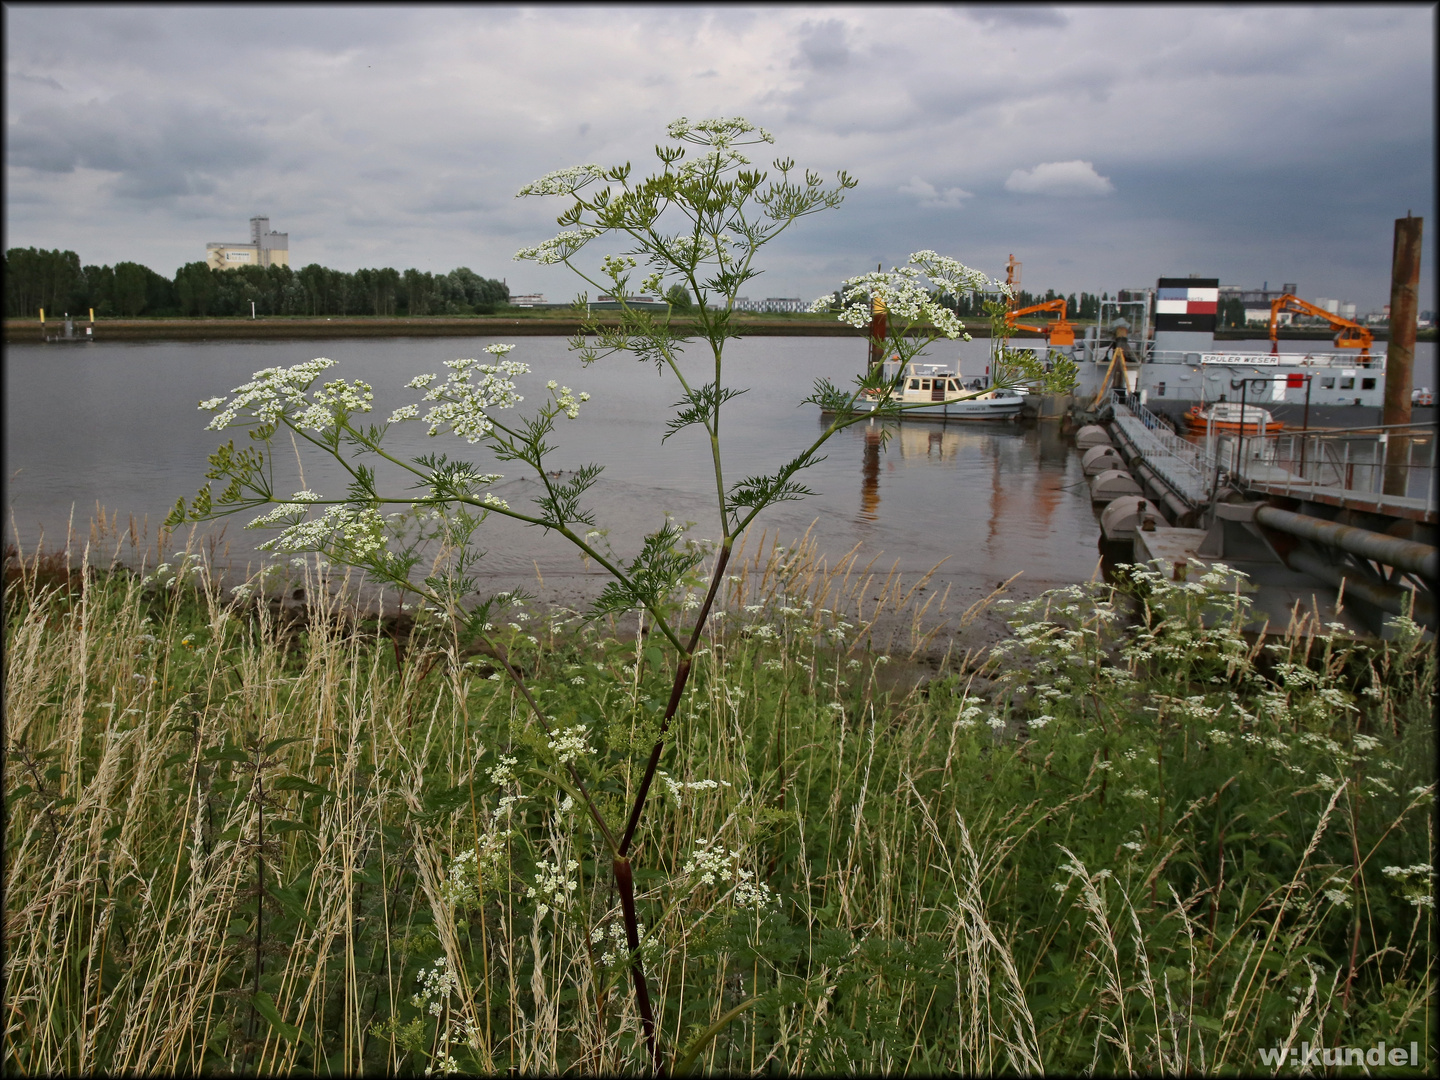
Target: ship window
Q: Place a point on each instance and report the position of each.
(914, 384)
(1367, 384)
(1328, 383)
(1346, 383)
(1160, 390)
(925, 384)
(954, 385)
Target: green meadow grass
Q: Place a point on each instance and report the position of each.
(1127, 838)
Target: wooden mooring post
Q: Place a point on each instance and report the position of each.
(1400, 352)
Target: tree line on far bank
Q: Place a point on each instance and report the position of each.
(57, 282)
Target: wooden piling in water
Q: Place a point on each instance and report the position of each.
(1400, 352)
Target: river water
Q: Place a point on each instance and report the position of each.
(116, 424)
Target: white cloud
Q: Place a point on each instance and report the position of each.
(1060, 178)
(925, 193)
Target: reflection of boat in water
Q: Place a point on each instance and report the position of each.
(933, 441)
(934, 392)
(1228, 416)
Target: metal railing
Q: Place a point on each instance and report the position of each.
(1188, 469)
(1350, 464)
(1338, 465)
(1265, 359)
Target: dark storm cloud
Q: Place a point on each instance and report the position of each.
(37, 80)
(1232, 139)
(154, 149)
(1018, 16)
(823, 46)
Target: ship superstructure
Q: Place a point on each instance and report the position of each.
(1172, 360)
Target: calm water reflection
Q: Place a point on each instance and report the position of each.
(117, 424)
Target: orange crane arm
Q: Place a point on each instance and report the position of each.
(1351, 335)
(1060, 332)
(1058, 304)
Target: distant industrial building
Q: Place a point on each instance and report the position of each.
(1336, 307)
(266, 248)
(1257, 304)
(771, 303)
(1256, 297)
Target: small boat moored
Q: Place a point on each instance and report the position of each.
(1228, 416)
(935, 392)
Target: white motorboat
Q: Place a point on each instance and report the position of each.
(935, 392)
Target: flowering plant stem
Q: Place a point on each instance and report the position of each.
(698, 223)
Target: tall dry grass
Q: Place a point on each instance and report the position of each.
(247, 838)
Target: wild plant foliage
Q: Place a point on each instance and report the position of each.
(1130, 837)
(698, 223)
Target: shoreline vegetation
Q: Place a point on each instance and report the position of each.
(516, 322)
(246, 836)
(717, 819)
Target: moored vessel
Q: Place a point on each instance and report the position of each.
(1232, 417)
(935, 392)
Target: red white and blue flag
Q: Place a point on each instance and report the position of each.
(1187, 304)
(1187, 301)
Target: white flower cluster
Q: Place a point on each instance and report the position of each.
(1418, 893)
(971, 708)
(719, 132)
(611, 937)
(905, 296)
(172, 576)
(567, 398)
(563, 181)
(1338, 896)
(445, 1066)
(676, 789)
(689, 250)
(268, 394)
(436, 985)
(553, 886)
(570, 744)
(335, 397)
(503, 772)
(558, 248)
(1417, 870)
(461, 886)
(361, 532)
(463, 404)
(717, 866)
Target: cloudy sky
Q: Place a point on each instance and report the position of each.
(1104, 146)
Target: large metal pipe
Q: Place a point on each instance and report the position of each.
(1391, 598)
(1179, 510)
(1407, 555)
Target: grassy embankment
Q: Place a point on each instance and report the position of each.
(513, 321)
(1119, 841)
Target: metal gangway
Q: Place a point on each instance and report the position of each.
(1389, 469)
(1188, 468)
(1344, 467)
